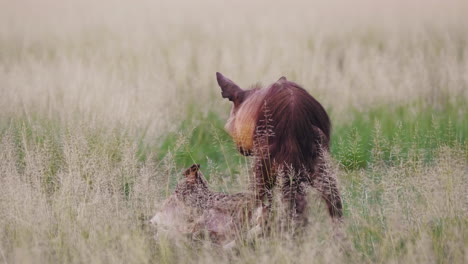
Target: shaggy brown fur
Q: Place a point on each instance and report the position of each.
(288, 133)
(196, 210)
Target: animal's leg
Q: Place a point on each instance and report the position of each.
(287, 215)
(326, 183)
(300, 204)
(295, 199)
(264, 180)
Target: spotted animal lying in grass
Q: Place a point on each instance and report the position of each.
(195, 210)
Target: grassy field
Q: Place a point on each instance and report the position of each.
(102, 105)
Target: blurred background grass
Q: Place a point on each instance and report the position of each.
(399, 130)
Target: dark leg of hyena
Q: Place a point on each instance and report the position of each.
(295, 198)
(300, 203)
(264, 181)
(326, 183)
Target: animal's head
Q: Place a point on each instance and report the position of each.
(193, 187)
(240, 124)
(193, 176)
(246, 106)
(242, 120)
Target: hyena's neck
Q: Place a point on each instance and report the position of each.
(243, 125)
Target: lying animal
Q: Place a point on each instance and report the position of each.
(195, 210)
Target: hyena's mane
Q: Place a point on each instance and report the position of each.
(291, 126)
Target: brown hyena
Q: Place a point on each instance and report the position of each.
(288, 133)
(195, 210)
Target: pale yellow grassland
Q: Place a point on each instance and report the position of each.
(141, 63)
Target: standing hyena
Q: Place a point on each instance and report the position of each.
(194, 210)
(288, 133)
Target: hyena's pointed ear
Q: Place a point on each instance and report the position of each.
(191, 173)
(282, 79)
(229, 89)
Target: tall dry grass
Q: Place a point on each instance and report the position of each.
(84, 84)
(95, 208)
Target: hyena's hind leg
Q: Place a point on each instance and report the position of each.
(324, 179)
(325, 182)
(263, 182)
(300, 204)
(294, 196)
